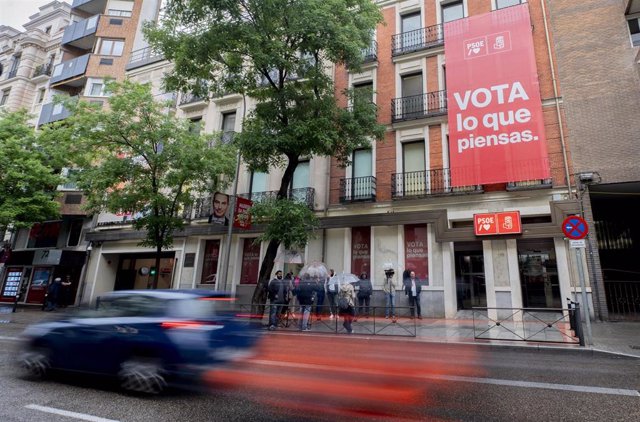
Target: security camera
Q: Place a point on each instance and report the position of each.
(586, 177)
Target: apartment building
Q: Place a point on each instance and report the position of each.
(599, 67)
(94, 39)
(27, 58)
(395, 205)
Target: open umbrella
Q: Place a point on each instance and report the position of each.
(348, 278)
(315, 270)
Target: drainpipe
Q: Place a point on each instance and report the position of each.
(555, 95)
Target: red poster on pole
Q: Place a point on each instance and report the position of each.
(241, 216)
(496, 127)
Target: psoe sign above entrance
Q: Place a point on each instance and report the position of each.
(495, 223)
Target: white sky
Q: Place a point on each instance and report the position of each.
(16, 12)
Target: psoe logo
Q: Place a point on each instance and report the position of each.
(475, 47)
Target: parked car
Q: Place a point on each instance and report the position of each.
(148, 339)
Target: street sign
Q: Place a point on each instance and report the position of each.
(580, 243)
(575, 227)
(494, 223)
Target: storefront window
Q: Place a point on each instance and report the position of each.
(360, 250)
(210, 264)
(250, 262)
(416, 250)
(44, 235)
(539, 274)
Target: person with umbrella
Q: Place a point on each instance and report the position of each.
(389, 289)
(332, 291)
(346, 304)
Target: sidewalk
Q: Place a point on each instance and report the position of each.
(621, 338)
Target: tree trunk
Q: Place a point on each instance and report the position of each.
(260, 293)
(157, 265)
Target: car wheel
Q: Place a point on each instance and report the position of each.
(36, 362)
(142, 375)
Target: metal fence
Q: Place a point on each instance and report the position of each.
(547, 325)
(623, 300)
(373, 322)
(410, 41)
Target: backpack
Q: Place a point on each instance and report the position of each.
(343, 303)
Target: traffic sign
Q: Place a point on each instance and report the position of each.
(575, 227)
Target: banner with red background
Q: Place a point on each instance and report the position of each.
(361, 250)
(496, 127)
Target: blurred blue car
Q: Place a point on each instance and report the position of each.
(148, 339)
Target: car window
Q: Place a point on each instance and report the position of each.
(194, 308)
(133, 306)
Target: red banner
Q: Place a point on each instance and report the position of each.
(416, 250)
(241, 215)
(361, 250)
(496, 127)
(507, 222)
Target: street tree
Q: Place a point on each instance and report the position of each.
(29, 174)
(281, 53)
(137, 157)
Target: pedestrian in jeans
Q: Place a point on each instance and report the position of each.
(304, 292)
(53, 290)
(389, 288)
(364, 295)
(320, 286)
(332, 292)
(346, 305)
(278, 292)
(412, 288)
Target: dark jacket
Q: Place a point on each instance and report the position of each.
(407, 287)
(304, 291)
(278, 291)
(365, 287)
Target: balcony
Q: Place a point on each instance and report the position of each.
(419, 106)
(70, 69)
(52, 112)
(421, 184)
(42, 70)
(419, 39)
(530, 184)
(143, 57)
(370, 53)
(189, 98)
(358, 189)
(94, 7)
(81, 34)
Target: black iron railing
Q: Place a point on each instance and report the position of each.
(419, 39)
(189, 98)
(418, 184)
(358, 189)
(370, 53)
(549, 325)
(530, 184)
(43, 69)
(623, 299)
(419, 106)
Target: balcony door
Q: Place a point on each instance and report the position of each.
(412, 98)
(411, 37)
(413, 181)
(300, 182)
(362, 172)
(258, 188)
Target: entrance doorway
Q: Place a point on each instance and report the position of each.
(136, 271)
(539, 274)
(471, 288)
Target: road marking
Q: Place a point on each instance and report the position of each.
(75, 415)
(493, 381)
(9, 338)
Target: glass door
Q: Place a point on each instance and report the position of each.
(471, 288)
(539, 274)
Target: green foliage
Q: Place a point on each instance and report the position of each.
(288, 221)
(28, 176)
(136, 157)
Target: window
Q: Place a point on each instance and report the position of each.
(14, 66)
(121, 13)
(96, 89)
(250, 262)
(41, 94)
(501, 4)
(210, 264)
(111, 47)
(412, 96)
(363, 92)
(452, 11)
(362, 187)
(5, 96)
(47, 30)
(361, 166)
(413, 163)
(634, 28)
(258, 182)
(300, 182)
(195, 125)
(228, 126)
(411, 37)
(75, 229)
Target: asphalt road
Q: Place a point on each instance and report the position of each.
(309, 377)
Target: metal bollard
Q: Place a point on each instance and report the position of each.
(578, 322)
(15, 302)
(572, 315)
